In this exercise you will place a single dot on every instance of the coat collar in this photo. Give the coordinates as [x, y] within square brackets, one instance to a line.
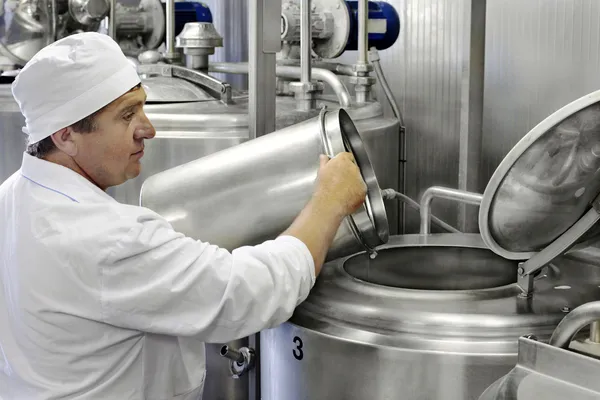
[61, 180]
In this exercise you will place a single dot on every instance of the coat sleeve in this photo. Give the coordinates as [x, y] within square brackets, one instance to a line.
[157, 280]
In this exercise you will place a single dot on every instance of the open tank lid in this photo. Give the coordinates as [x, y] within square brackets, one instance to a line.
[542, 198]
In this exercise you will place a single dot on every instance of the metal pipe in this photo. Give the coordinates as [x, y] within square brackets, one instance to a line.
[170, 28]
[232, 354]
[338, 68]
[363, 38]
[574, 322]
[112, 23]
[443, 193]
[328, 77]
[398, 114]
[305, 41]
[390, 194]
[595, 332]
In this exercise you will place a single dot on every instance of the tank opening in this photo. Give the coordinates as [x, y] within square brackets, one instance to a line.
[434, 268]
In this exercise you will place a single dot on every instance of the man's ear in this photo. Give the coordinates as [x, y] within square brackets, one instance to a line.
[65, 141]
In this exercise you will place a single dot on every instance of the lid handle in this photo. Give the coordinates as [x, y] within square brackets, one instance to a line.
[217, 89]
[557, 247]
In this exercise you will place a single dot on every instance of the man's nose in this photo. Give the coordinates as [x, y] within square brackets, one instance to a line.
[146, 131]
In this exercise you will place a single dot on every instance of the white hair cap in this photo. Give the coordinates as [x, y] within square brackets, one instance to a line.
[69, 80]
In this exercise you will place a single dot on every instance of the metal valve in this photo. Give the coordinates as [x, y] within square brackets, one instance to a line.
[242, 360]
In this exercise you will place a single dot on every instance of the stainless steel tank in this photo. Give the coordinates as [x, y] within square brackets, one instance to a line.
[566, 368]
[258, 188]
[439, 317]
[432, 317]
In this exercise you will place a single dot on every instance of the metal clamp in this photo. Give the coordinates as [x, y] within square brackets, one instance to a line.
[242, 360]
[219, 90]
[565, 241]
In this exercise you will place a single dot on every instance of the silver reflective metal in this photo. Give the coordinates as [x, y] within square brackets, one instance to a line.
[545, 183]
[252, 192]
[432, 317]
[549, 373]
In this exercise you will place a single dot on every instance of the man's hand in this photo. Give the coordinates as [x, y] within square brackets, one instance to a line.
[340, 186]
[339, 191]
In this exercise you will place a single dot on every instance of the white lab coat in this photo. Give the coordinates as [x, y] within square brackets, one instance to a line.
[101, 300]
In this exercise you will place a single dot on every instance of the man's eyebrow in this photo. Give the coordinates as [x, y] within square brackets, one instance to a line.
[131, 106]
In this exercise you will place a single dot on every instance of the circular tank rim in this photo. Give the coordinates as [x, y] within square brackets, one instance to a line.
[341, 303]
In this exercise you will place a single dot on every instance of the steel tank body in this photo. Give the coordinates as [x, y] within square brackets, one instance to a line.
[431, 318]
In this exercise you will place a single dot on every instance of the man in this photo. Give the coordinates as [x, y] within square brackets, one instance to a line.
[100, 300]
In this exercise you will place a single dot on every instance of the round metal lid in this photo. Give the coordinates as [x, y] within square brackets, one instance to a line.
[546, 182]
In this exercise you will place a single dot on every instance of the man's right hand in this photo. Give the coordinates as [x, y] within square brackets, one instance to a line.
[340, 187]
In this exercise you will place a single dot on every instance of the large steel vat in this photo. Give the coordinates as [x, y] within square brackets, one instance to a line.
[258, 188]
[432, 317]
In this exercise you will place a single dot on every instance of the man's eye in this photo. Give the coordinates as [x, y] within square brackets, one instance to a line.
[128, 117]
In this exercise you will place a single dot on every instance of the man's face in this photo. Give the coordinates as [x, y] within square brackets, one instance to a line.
[111, 154]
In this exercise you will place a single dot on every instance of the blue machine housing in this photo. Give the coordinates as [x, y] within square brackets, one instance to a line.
[190, 11]
[378, 10]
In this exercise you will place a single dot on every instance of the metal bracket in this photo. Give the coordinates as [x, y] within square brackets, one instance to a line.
[557, 248]
[219, 90]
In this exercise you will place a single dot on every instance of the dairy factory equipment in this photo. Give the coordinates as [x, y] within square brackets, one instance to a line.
[567, 367]
[196, 115]
[439, 316]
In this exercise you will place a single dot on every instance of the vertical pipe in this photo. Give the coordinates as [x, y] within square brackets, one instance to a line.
[264, 43]
[363, 18]
[305, 41]
[471, 115]
[112, 23]
[595, 332]
[170, 28]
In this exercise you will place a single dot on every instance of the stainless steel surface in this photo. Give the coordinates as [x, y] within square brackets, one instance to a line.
[432, 317]
[363, 32]
[443, 193]
[170, 51]
[375, 59]
[424, 70]
[198, 40]
[219, 90]
[546, 183]
[595, 331]
[265, 16]
[576, 320]
[549, 373]
[390, 194]
[112, 20]
[541, 55]
[162, 89]
[559, 246]
[326, 76]
[232, 354]
[89, 11]
[259, 187]
[305, 41]
[471, 112]
[219, 385]
[242, 361]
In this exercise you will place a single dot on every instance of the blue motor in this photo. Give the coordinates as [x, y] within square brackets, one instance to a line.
[335, 25]
[190, 11]
[383, 26]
